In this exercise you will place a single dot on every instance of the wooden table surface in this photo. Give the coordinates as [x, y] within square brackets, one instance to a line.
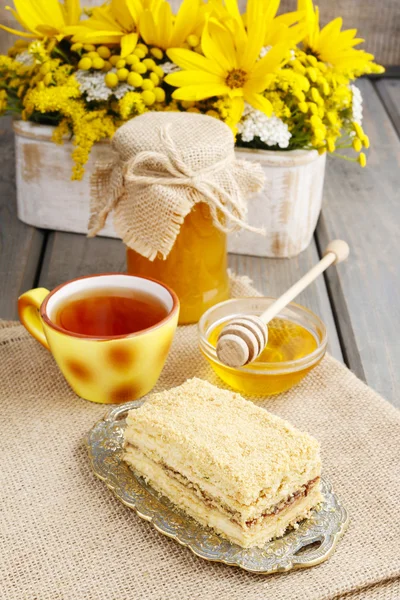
[359, 301]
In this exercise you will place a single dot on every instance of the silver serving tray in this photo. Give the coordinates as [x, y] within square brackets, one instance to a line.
[313, 542]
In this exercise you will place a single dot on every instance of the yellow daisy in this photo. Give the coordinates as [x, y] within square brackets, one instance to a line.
[330, 44]
[230, 66]
[114, 23]
[288, 26]
[44, 18]
[161, 28]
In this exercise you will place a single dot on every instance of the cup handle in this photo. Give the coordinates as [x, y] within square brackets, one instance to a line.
[28, 310]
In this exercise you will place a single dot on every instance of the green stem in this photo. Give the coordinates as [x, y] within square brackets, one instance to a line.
[57, 50]
[344, 146]
[343, 156]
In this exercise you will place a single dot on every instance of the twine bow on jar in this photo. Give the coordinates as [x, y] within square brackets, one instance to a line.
[166, 163]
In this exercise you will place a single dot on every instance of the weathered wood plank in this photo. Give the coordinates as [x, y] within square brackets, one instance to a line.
[272, 277]
[70, 255]
[389, 92]
[20, 244]
[362, 206]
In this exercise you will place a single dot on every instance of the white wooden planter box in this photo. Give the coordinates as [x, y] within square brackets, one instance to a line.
[46, 196]
[288, 207]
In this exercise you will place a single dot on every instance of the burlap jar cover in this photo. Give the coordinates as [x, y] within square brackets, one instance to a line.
[164, 164]
[65, 537]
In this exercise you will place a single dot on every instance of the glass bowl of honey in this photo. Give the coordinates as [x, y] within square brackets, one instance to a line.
[297, 341]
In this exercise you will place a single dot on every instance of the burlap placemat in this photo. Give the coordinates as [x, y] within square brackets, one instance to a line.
[65, 537]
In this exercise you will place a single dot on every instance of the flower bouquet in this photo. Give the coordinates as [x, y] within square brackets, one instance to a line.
[281, 83]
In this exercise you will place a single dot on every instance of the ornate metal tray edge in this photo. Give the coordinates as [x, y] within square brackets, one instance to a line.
[326, 527]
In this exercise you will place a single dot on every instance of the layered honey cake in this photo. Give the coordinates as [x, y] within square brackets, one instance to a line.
[228, 463]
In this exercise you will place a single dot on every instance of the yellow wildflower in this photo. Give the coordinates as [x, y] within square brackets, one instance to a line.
[287, 27]
[332, 117]
[17, 47]
[330, 44]
[313, 108]
[89, 128]
[362, 159]
[316, 96]
[229, 67]
[3, 101]
[159, 27]
[39, 51]
[131, 105]
[53, 99]
[291, 80]
[172, 107]
[61, 131]
[358, 129]
[330, 144]
[112, 23]
[365, 141]
[312, 73]
[44, 18]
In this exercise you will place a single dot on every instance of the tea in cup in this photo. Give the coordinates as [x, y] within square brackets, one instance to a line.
[109, 334]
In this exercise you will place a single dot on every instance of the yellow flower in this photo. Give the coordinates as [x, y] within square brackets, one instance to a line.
[365, 141]
[332, 117]
[39, 52]
[53, 99]
[159, 27]
[44, 18]
[61, 131]
[330, 144]
[230, 66]
[288, 26]
[131, 105]
[3, 101]
[113, 23]
[358, 129]
[332, 45]
[89, 128]
[362, 159]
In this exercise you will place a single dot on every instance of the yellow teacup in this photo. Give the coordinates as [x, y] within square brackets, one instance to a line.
[107, 370]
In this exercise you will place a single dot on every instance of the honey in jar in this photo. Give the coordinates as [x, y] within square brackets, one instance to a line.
[272, 372]
[175, 187]
[195, 268]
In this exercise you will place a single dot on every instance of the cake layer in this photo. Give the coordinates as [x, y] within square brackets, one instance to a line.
[228, 446]
[206, 490]
[206, 511]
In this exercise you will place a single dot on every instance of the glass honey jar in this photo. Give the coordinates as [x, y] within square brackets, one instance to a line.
[297, 341]
[195, 268]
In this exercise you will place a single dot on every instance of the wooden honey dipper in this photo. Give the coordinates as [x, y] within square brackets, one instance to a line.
[243, 339]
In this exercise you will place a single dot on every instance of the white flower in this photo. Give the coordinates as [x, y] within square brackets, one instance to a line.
[356, 105]
[271, 130]
[93, 85]
[122, 89]
[25, 58]
[169, 67]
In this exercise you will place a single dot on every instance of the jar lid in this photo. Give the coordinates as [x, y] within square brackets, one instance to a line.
[166, 163]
